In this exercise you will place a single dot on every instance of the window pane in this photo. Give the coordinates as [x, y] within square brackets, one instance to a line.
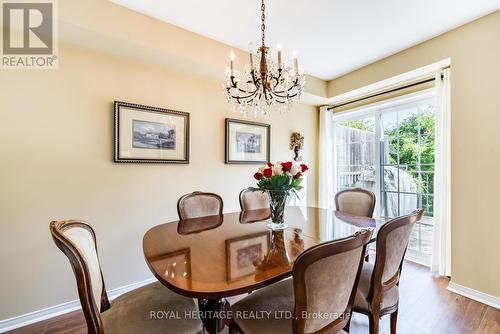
[355, 155]
[407, 203]
[391, 179]
[410, 179]
[389, 139]
[427, 155]
[428, 205]
[389, 204]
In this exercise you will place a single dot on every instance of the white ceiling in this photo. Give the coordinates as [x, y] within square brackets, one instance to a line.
[332, 37]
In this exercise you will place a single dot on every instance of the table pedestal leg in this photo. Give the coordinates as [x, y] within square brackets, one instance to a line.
[210, 309]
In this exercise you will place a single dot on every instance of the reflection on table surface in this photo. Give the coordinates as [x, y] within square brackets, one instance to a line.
[218, 256]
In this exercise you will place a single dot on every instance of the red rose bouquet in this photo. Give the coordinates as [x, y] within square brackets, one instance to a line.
[279, 180]
[281, 176]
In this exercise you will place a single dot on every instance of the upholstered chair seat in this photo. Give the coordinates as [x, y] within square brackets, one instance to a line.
[132, 312]
[389, 298]
[317, 299]
[274, 298]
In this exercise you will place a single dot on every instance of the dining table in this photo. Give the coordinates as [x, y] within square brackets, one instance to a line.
[215, 257]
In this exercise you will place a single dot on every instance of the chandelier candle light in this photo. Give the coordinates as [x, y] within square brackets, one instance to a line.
[280, 180]
[271, 86]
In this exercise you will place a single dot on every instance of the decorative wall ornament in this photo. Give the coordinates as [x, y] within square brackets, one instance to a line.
[297, 144]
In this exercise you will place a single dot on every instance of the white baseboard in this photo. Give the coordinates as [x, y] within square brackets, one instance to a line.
[112, 294]
[474, 294]
[56, 310]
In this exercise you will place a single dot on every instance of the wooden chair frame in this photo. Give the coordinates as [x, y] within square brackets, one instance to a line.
[377, 287]
[82, 273]
[360, 239]
[303, 261]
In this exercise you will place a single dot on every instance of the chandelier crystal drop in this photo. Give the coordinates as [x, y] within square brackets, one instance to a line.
[264, 85]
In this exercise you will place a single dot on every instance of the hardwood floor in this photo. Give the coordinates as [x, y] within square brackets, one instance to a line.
[426, 307]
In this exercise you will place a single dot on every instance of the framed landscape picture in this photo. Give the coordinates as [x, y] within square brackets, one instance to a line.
[150, 134]
[247, 142]
[245, 253]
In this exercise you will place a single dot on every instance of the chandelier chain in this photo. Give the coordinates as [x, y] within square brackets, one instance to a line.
[263, 18]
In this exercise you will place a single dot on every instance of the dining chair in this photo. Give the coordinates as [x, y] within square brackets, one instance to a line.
[253, 199]
[199, 204]
[129, 313]
[358, 202]
[324, 282]
[378, 290]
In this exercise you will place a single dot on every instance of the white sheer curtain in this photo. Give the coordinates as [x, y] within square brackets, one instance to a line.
[441, 257]
[326, 190]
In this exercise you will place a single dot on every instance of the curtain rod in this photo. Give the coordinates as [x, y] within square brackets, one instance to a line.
[383, 92]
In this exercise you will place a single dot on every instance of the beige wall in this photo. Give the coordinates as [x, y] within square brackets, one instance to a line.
[474, 50]
[56, 139]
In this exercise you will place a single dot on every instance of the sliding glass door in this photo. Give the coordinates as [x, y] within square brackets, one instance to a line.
[389, 150]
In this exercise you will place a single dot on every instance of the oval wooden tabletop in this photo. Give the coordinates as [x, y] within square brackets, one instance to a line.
[220, 256]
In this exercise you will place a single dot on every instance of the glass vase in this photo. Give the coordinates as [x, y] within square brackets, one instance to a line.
[278, 200]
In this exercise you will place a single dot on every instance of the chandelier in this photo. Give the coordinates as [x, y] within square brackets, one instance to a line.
[270, 86]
